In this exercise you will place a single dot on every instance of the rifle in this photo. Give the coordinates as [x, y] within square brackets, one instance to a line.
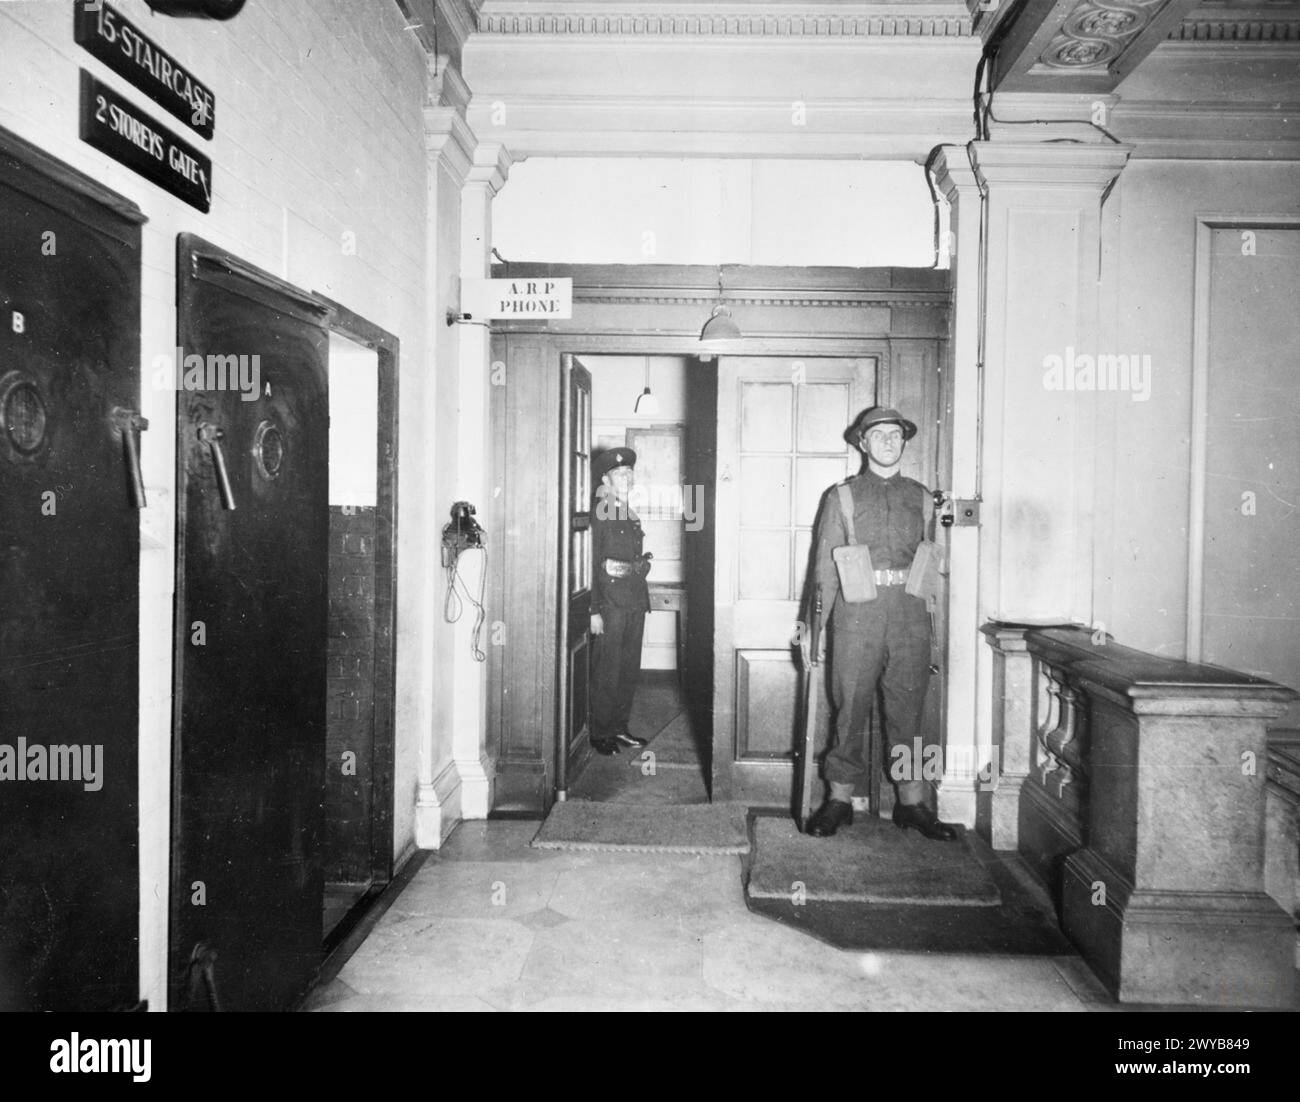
[811, 691]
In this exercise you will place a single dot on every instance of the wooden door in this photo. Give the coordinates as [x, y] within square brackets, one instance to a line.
[780, 445]
[575, 572]
[252, 537]
[69, 589]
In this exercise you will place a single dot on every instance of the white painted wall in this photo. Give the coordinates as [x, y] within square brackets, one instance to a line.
[1141, 569]
[660, 211]
[296, 81]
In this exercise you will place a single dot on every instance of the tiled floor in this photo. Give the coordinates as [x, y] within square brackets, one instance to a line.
[490, 924]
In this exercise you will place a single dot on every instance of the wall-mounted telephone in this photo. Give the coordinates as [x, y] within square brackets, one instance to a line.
[461, 534]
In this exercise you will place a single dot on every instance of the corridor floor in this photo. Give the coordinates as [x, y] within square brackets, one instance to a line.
[671, 769]
[489, 924]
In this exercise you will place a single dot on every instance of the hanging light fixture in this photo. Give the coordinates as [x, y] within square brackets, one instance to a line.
[647, 403]
[720, 326]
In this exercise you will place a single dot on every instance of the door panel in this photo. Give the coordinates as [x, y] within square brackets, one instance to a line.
[575, 570]
[780, 445]
[69, 578]
[251, 642]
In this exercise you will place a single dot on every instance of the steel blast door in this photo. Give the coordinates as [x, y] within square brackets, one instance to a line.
[69, 585]
[253, 525]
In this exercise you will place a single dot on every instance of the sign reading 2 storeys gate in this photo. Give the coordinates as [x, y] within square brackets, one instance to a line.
[128, 135]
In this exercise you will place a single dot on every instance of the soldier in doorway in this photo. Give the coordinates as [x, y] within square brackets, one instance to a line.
[620, 599]
[881, 642]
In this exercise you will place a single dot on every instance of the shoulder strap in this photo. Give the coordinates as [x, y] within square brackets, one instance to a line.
[927, 512]
[846, 509]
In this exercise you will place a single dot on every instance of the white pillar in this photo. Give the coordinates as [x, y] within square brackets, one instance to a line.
[452, 778]
[1026, 237]
[1041, 303]
[487, 174]
[969, 740]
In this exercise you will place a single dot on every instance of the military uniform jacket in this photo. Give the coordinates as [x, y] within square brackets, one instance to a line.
[889, 516]
[616, 534]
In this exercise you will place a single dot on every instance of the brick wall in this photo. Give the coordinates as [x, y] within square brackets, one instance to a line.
[350, 688]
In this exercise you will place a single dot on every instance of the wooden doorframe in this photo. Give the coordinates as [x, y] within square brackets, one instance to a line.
[564, 752]
[634, 310]
[383, 765]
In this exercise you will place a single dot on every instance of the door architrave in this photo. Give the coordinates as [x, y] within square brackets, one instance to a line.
[637, 310]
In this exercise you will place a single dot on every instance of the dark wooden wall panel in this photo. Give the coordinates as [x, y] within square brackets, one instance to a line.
[526, 412]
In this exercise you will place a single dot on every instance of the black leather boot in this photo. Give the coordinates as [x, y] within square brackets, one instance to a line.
[828, 818]
[921, 818]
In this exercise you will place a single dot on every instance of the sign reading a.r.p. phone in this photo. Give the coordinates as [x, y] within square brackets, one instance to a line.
[538, 297]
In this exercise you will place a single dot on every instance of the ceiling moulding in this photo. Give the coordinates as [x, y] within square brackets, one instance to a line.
[1240, 23]
[1227, 131]
[891, 18]
[448, 87]
[566, 141]
[931, 300]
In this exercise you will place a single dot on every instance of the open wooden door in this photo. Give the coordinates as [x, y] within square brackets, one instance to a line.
[252, 542]
[780, 445]
[575, 572]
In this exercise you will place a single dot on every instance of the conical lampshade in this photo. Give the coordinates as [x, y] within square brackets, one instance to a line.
[646, 403]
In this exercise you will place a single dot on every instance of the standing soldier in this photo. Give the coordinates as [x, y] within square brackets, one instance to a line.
[868, 533]
[620, 598]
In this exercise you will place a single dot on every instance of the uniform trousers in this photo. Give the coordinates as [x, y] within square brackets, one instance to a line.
[615, 670]
[883, 643]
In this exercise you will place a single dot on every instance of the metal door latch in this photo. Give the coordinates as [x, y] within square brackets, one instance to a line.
[211, 435]
[129, 423]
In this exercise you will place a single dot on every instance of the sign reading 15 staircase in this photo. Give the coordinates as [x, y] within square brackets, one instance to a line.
[124, 48]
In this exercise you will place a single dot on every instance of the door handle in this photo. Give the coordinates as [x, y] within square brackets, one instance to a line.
[201, 978]
[128, 422]
[211, 435]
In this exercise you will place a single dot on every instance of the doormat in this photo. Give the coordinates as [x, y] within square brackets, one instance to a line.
[632, 828]
[870, 862]
[1025, 923]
